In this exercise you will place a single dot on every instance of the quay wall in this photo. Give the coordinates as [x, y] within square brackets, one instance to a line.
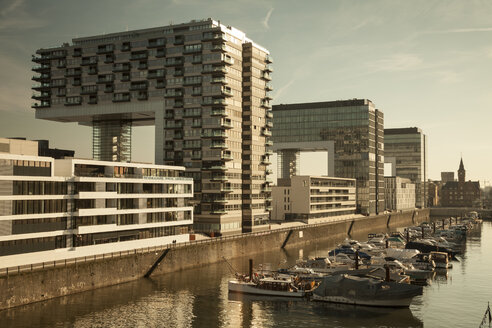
[445, 212]
[24, 287]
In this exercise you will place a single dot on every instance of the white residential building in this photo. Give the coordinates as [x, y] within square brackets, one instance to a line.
[399, 193]
[307, 198]
[57, 209]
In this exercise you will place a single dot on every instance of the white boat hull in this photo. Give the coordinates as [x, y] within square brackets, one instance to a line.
[380, 303]
[250, 288]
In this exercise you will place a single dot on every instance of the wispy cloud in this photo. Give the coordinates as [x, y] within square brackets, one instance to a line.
[282, 89]
[15, 16]
[267, 18]
[461, 30]
[396, 62]
[448, 76]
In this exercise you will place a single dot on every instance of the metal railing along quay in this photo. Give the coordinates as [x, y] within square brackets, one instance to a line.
[8, 271]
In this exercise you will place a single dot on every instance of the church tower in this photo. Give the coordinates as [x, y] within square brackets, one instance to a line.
[461, 172]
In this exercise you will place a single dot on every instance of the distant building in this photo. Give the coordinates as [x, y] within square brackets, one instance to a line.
[45, 150]
[18, 146]
[461, 193]
[66, 208]
[351, 131]
[305, 198]
[433, 193]
[21, 146]
[399, 193]
[406, 148]
[447, 176]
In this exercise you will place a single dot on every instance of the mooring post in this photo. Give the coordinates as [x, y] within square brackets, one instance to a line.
[387, 243]
[443, 224]
[357, 260]
[423, 234]
[434, 227]
[250, 269]
[408, 235]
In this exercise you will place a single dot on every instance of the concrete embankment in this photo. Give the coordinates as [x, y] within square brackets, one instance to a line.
[23, 287]
[445, 212]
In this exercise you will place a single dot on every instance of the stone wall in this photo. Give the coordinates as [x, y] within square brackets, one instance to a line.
[38, 285]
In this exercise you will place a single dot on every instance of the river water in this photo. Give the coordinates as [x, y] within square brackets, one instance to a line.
[199, 298]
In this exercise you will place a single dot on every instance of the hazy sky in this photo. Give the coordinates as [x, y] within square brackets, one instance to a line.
[423, 63]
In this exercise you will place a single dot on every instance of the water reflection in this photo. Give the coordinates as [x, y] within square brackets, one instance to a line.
[199, 298]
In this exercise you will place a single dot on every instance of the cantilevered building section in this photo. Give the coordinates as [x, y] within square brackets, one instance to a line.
[406, 148]
[205, 88]
[351, 131]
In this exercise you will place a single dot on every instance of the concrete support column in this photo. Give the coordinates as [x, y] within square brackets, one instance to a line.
[112, 140]
[288, 163]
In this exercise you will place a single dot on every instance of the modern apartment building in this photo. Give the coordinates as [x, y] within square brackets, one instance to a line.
[312, 198]
[74, 207]
[21, 146]
[399, 193]
[407, 149]
[205, 87]
[351, 131]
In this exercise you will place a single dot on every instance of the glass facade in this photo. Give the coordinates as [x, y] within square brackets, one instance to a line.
[407, 148]
[356, 129]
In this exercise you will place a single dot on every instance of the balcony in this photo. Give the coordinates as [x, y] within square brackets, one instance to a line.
[214, 134]
[266, 76]
[219, 200]
[226, 124]
[41, 77]
[269, 124]
[268, 172]
[121, 97]
[265, 160]
[218, 145]
[218, 112]
[179, 39]
[170, 93]
[268, 87]
[156, 74]
[266, 133]
[174, 61]
[226, 156]
[269, 152]
[138, 86]
[105, 78]
[41, 67]
[87, 90]
[220, 79]
[226, 91]
[269, 114]
[45, 95]
[268, 59]
[228, 60]
[208, 36]
[268, 97]
[174, 125]
[89, 61]
[265, 104]
[219, 177]
[42, 58]
[266, 188]
[126, 46]
[218, 211]
[138, 55]
[108, 48]
[121, 67]
[178, 104]
[41, 86]
[219, 47]
[217, 168]
[42, 104]
[154, 43]
[268, 68]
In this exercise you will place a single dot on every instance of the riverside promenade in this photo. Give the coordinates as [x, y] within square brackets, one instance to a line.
[28, 283]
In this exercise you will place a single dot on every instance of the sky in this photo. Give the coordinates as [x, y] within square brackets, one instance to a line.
[426, 63]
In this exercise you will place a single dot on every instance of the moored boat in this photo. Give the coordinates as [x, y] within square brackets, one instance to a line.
[365, 291]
